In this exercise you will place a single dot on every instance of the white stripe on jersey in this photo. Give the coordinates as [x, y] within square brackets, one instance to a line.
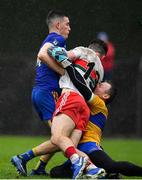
[62, 103]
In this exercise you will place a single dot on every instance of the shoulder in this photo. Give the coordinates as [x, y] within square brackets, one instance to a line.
[55, 39]
[85, 53]
[98, 105]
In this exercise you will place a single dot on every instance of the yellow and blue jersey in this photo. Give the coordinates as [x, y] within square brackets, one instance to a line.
[92, 136]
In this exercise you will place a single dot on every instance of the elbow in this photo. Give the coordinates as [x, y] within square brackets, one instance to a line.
[40, 56]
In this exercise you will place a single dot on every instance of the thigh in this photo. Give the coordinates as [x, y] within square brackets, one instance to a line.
[62, 124]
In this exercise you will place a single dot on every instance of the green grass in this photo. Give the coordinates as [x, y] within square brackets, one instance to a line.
[118, 149]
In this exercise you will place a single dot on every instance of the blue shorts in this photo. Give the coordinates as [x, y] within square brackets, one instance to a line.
[89, 147]
[43, 102]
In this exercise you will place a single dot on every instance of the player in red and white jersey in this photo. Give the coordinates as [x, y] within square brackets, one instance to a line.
[72, 112]
[70, 119]
[88, 64]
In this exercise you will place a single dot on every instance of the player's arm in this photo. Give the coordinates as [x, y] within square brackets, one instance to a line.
[79, 83]
[60, 55]
[45, 58]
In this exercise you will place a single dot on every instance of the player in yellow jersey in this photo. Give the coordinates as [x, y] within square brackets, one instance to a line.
[104, 93]
[90, 142]
[91, 139]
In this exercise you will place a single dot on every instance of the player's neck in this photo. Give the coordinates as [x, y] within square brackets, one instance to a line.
[54, 30]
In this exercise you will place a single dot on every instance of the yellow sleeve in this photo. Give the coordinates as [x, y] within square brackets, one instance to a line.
[96, 104]
[94, 100]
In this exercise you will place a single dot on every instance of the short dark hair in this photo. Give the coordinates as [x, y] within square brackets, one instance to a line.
[112, 92]
[54, 14]
[99, 46]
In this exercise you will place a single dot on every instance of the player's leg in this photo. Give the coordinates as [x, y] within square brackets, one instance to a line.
[44, 103]
[44, 159]
[62, 171]
[101, 159]
[20, 161]
[91, 171]
[69, 109]
[62, 127]
[65, 171]
[41, 165]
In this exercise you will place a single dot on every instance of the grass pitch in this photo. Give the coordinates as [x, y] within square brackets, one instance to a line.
[118, 149]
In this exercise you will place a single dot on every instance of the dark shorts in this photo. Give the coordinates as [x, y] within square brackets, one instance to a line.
[89, 147]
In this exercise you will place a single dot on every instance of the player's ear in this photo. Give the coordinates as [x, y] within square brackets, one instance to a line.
[106, 96]
[58, 25]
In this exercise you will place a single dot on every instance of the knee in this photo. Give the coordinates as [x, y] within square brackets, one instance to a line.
[55, 139]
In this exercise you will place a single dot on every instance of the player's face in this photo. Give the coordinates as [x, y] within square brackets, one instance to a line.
[64, 27]
[102, 89]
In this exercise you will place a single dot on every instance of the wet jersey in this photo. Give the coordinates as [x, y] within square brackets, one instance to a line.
[88, 65]
[98, 117]
[93, 60]
[46, 78]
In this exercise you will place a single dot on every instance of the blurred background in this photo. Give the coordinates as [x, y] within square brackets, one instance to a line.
[23, 28]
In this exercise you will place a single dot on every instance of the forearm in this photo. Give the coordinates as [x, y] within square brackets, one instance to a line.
[79, 82]
[45, 58]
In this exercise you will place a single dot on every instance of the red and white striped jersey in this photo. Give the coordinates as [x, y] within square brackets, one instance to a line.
[88, 64]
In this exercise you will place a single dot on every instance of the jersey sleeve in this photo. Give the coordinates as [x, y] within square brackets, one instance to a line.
[96, 103]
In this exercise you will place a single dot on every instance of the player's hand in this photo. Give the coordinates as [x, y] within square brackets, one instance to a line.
[58, 53]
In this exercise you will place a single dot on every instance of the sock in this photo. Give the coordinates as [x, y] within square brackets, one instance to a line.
[74, 158]
[27, 156]
[40, 165]
[90, 165]
[71, 154]
[70, 151]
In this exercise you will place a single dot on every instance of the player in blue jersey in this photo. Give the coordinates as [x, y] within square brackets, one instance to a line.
[46, 80]
[47, 74]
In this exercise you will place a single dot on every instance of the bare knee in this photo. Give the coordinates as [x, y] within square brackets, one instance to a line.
[55, 139]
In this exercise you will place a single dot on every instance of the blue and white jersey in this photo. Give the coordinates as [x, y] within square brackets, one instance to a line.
[46, 78]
